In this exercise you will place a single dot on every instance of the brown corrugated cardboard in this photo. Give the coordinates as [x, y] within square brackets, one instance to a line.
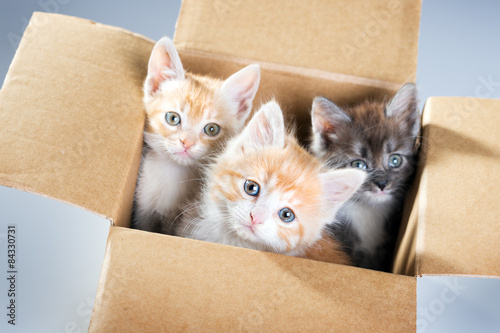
[333, 36]
[457, 207]
[158, 283]
[71, 114]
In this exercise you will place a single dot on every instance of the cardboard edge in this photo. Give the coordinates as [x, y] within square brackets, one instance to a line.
[122, 213]
[422, 204]
[300, 71]
[101, 286]
[106, 26]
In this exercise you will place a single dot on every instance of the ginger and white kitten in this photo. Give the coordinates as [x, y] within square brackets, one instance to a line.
[188, 118]
[265, 192]
[381, 139]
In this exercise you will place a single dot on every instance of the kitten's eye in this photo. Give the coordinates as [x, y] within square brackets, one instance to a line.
[286, 215]
[173, 118]
[211, 129]
[252, 188]
[360, 164]
[395, 160]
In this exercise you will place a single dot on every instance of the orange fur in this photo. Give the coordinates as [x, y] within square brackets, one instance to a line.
[198, 96]
[328, 250]
[266, 192]
[290, 171]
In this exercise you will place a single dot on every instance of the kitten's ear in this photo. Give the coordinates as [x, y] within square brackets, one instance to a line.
[164, 64]
[339, 185]
[240, 89]
[404, 107]
[266, 128]
[326, 116]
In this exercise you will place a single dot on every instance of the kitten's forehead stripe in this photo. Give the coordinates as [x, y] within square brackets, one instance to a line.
[199, 99]
[364, 152]
[390, 146]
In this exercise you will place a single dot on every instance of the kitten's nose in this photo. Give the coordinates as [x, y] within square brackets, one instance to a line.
[381, 184]
[255, 220]
[187, 143]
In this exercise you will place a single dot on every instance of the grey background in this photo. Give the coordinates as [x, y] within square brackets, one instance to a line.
[458, 56]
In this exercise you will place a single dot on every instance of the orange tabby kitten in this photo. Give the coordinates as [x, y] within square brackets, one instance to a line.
[188, 118]
[265, 192]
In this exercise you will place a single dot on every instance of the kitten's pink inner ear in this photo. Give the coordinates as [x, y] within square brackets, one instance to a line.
[340, 185]
[327, 116]
[266, 128]
[160, 60]
[322, 124]
[241, 87]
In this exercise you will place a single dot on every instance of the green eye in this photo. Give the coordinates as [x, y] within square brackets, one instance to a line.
[173, 118]
[252, 188]
[359, 164]
[286, 215]
[211, 129]
[395, 160]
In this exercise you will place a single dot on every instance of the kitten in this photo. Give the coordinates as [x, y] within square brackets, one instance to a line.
[381, 139]
[188, 117]
[267, 193]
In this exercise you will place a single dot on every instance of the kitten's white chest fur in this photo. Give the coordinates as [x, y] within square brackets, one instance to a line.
[162, 186]
[367, 221]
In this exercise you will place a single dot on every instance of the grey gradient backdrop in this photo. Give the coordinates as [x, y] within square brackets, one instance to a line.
[458, 56]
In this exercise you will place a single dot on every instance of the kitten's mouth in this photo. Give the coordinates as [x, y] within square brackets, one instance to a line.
[250, 228]
[248, 232]
[184, 153]
[378, 194]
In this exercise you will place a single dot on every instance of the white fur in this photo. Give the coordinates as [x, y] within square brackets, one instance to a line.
[227, 224]
[368, 223]
[163, 185]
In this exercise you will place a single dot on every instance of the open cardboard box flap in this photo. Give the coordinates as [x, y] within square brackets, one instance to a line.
[453, 226]
[71, 114]
[338, 36]
[157, 283]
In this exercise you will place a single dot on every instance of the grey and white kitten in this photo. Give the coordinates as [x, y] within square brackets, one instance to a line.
[380, 138]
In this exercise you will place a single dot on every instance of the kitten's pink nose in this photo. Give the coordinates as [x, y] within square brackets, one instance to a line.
[187, 143]
[255, 220]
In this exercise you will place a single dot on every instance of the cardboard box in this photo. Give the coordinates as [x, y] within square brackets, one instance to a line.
[76, 85]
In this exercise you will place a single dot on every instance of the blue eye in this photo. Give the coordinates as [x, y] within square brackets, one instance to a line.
[359, 164]
[286, 215]
[173, 118]
[252, 188]
[395, 160]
